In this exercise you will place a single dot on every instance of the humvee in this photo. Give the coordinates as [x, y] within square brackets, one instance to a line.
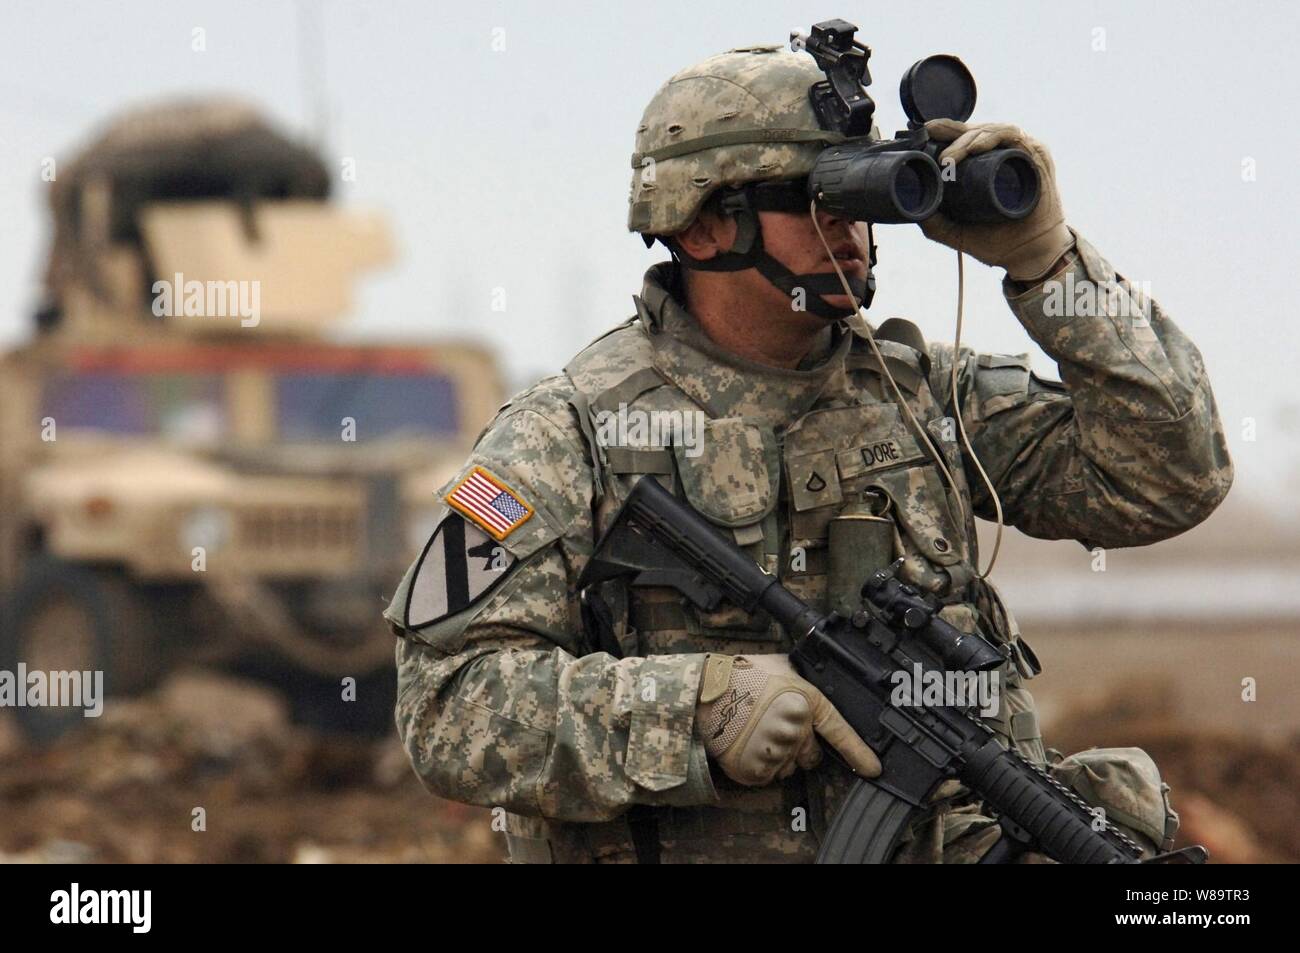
[191, 469]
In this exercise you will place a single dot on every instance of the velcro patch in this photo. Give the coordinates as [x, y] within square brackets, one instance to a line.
[881, 453]
[489, 503]
[460, 564]
[878, 453]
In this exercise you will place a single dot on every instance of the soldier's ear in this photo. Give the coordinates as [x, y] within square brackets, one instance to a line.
[708, 236]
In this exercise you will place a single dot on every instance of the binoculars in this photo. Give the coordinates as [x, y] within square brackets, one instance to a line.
[899, 180]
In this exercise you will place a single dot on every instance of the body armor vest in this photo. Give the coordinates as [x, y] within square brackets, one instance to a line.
[778, 485]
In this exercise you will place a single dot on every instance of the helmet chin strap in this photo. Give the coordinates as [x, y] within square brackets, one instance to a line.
[747, 251]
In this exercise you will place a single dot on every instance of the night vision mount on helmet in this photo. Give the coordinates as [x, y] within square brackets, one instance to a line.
[776, 131]
[899, 180]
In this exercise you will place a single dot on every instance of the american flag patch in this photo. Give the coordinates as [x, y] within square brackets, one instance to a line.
[489, 503]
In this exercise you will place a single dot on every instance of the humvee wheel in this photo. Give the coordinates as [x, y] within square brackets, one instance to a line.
[59, 636]
[65, 618]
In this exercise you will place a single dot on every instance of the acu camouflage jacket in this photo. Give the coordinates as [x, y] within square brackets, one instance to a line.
[507, 702]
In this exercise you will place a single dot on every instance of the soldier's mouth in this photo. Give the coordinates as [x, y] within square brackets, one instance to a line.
[846, 253]
[850, 263]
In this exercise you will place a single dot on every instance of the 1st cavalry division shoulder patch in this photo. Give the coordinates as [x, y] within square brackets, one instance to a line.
[459, 565]
[490, 504]
[464, 559]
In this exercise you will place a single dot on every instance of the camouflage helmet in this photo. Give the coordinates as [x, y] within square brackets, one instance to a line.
[741, 116]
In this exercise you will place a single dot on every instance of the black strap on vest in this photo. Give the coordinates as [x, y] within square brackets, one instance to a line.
[598, 621]
[644, 825]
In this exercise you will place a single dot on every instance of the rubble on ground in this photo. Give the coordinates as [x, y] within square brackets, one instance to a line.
[126, 787]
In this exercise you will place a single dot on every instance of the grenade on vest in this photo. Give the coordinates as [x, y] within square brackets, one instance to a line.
[860, 540]
[898, 180]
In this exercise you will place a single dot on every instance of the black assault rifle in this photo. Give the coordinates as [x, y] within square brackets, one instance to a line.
[657, 540]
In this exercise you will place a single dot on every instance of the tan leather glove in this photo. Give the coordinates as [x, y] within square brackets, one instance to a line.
[760, 720]
[1026, 249]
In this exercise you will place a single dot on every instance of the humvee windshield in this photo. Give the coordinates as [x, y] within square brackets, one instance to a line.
[182, 407]
[310, 404]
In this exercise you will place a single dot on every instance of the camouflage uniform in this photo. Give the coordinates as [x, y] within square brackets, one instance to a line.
[508, 702]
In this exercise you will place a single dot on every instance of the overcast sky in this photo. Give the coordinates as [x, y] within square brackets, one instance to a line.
[498, 135]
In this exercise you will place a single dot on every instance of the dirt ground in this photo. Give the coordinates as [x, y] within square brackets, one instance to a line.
[1230, 756]
[127, 787]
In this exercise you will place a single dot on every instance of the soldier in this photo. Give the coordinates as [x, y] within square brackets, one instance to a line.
[675, 735]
